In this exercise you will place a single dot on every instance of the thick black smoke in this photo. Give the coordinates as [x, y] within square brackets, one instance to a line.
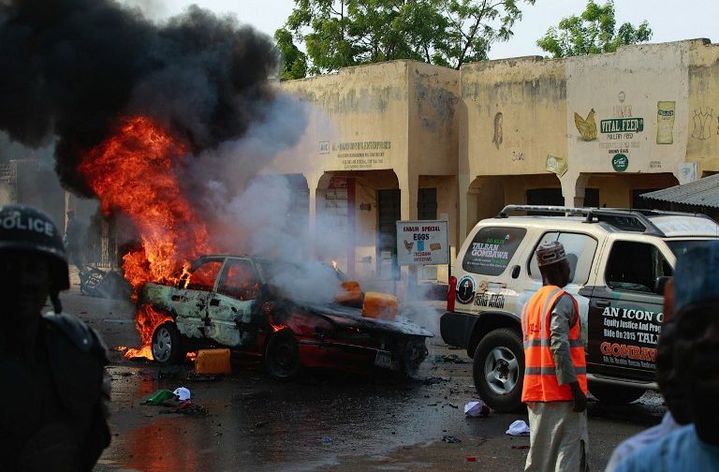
[70, 68]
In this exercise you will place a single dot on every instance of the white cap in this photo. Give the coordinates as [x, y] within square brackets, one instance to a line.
[182, 393]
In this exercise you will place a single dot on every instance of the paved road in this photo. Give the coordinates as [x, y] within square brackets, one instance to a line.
[321, 422]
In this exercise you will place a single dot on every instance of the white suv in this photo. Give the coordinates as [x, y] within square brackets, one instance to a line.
[620, 261]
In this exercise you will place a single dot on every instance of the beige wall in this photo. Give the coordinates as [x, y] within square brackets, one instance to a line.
[615, 191]
[521, 115]
[515, 113]
[703, 109]
[628, 84]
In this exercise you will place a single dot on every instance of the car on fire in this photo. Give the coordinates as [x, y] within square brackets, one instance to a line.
[266, 309]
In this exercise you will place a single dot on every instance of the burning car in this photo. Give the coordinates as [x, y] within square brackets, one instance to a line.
[244, 303]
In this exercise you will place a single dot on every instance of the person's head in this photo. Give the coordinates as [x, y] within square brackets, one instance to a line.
[553, 264]
[32, 262]
[696, 346]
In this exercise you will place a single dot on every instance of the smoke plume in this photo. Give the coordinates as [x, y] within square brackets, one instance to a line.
[72, 68]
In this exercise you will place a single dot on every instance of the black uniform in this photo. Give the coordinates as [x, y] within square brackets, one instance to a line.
[53, 406]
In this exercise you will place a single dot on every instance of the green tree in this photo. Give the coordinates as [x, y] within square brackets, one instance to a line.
[294, 61]
[340, 33]
[593, 32]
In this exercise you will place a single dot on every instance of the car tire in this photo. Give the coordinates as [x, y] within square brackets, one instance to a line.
[167, 344]
[282, 356]
[498, 370]
[615, 394]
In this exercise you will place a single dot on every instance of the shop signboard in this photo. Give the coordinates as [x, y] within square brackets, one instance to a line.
[422, 242]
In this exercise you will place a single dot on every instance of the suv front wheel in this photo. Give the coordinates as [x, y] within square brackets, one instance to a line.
[499, 369]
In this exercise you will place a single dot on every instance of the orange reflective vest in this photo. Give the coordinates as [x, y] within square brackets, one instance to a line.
[540, 379]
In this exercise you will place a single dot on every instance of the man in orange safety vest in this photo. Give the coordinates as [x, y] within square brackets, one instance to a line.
[555, 372]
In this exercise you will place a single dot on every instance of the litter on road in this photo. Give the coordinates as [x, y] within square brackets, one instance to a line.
[476, 409]
[182, 393]
[159, 397]
[518, 428]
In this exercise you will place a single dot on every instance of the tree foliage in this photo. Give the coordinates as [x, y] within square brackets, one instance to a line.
[340, 33]
[593, 32]
[294, 61]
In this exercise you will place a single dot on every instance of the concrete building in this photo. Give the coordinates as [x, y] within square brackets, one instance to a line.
[593, 130]
[383, 146]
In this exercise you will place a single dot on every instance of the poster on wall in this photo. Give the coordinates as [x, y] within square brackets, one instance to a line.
[422, 242]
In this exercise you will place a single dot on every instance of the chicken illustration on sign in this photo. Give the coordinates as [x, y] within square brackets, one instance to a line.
[587, 127]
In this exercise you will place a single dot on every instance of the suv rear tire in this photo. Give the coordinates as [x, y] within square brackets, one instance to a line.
[499, 370]
[615, 394]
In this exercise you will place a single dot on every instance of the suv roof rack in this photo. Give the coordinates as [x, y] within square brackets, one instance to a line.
[621, 218]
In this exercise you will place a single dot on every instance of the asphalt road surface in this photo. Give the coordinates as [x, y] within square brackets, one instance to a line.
[323, 421]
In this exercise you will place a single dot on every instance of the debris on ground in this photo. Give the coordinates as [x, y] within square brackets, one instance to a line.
[213, 362]
[449, 359]
[159, 397]
[523, 446]
[471, 459]
[326, 440]
[182, 393]
[518, 428]
[476, 409]
[188, 408]
[451, 439]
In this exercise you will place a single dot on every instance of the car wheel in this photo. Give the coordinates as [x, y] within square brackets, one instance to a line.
[498, 370]
[167, 344]
[282, 356]
[615, 394]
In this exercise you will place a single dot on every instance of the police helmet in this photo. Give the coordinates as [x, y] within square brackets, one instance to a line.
[23, 228]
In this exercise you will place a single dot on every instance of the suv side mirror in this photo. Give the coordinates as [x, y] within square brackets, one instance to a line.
[661, 283]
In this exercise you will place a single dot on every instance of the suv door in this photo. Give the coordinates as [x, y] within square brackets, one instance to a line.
[625, 313]
[230, 307]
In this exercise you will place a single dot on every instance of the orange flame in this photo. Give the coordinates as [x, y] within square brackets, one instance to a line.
[133, 173]
[146, 320]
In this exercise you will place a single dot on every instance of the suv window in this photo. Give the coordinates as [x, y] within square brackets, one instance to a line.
[580, 249]
[635, 266]
[491, 250]
[203, 276]
[239, 280]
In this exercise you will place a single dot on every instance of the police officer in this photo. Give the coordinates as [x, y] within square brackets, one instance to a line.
[53, 395]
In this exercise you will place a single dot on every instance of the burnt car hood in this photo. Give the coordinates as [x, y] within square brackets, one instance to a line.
[349, 316]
